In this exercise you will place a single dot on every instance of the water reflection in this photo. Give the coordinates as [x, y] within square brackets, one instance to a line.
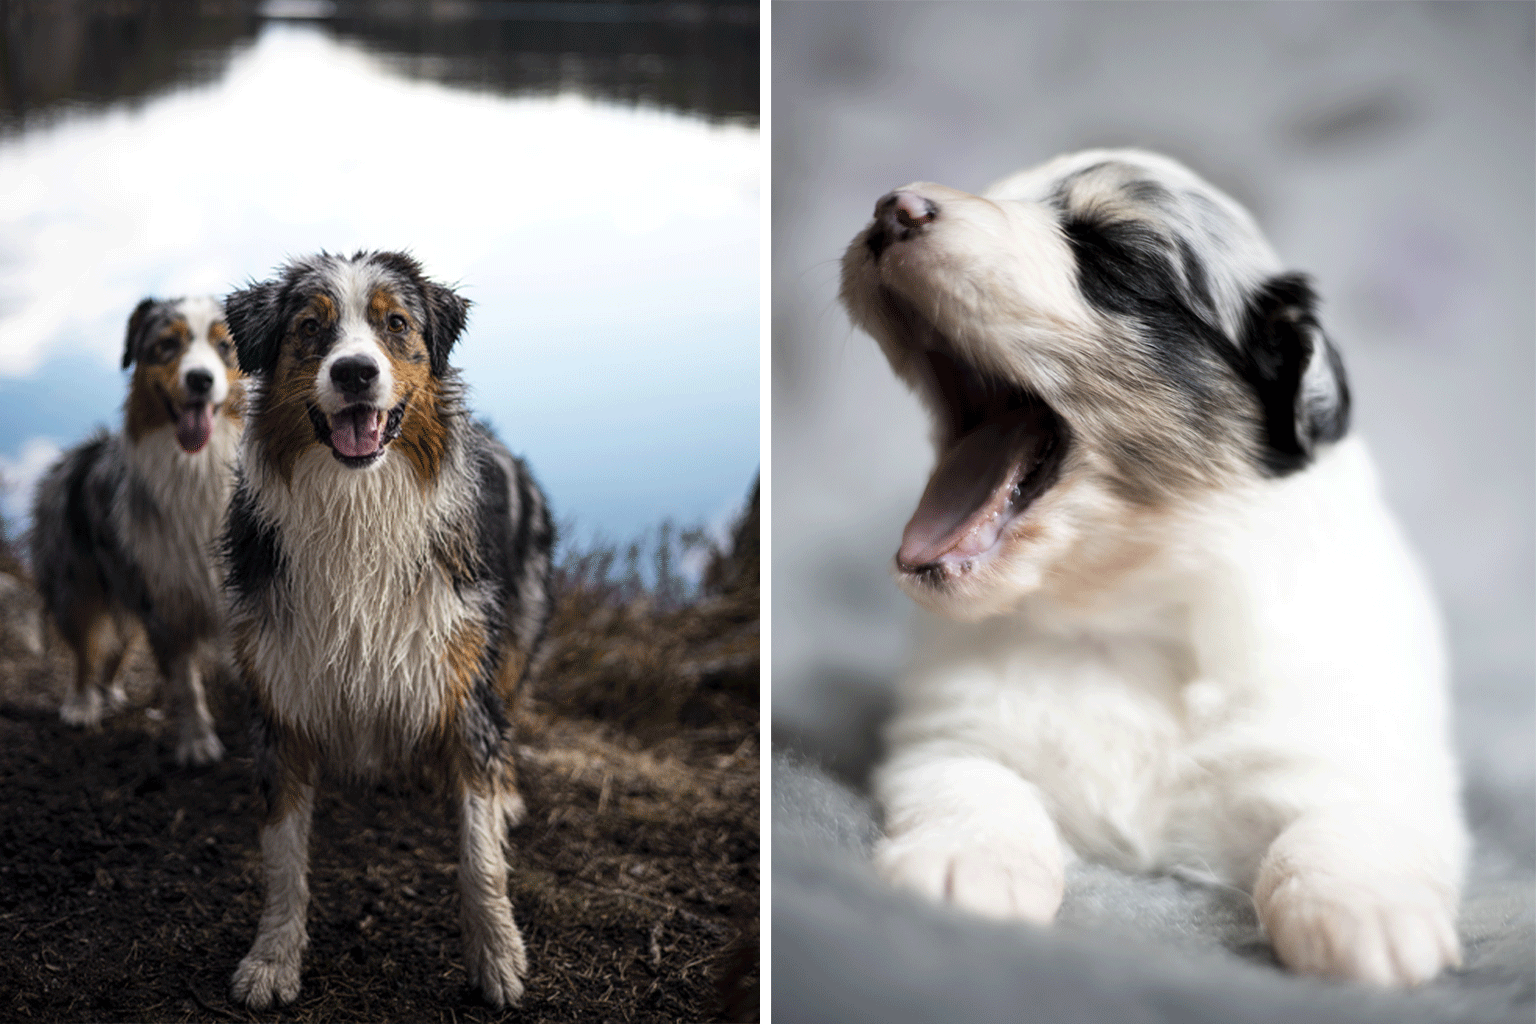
[610, 248]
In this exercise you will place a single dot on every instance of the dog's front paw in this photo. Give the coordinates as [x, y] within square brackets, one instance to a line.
[83, 710]
[199, 749]
[497, 970]
[993, 876]
[258, 979]
[1390, 936]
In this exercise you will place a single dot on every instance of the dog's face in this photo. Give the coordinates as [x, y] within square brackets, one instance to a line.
[350, 353]
[1101, 341]
[185, 372]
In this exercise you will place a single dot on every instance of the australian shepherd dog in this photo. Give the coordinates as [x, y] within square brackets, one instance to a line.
[125, 526]
[389, 584]
[1177, 628]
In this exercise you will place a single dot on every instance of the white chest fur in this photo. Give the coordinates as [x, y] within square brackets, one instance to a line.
[353, 645]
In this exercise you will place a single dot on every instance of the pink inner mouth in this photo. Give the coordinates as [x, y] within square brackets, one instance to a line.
[357, 431]
[976, 489]
[194, 425]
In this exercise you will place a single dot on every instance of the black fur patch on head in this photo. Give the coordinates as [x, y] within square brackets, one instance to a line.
[255, 318]
[137, 322]
[1280, 344]
[444, 314]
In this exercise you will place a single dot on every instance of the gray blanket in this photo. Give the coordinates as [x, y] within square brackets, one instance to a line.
[1387, 150]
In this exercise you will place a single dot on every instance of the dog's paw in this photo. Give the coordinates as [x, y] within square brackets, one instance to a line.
[199, 749]
[259, 979]
[497, 970]
[1400, 936]
[994, 877]
[83, 710]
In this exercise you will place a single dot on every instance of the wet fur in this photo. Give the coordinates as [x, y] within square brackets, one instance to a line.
[384, 614]
[1205, 647]
[125, 527]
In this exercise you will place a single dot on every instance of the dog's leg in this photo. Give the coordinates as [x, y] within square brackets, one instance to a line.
[1354, 894]
[196, 742]
[967, 830]
[83, 706]
[493, 948]
[112, 670]
[271, 969]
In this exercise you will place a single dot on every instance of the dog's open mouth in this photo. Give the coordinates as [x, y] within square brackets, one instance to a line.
[1001, 448]
[358, 434]
[194, 423]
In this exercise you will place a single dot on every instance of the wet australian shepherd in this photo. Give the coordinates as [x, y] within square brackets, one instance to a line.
[389, 579]
[125, 526]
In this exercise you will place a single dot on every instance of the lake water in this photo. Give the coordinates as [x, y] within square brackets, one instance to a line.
[586, 174]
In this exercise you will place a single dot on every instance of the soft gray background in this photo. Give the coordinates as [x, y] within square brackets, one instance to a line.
[1388, 150]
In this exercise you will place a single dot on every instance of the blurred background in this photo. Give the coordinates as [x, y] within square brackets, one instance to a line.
[1385, 148]
[586, 173]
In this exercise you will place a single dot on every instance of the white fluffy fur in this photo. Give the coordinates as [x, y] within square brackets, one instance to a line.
[1249, 685]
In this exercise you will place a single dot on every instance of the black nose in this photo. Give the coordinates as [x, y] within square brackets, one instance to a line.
[199, 383]
[898, 216]
[354, 374]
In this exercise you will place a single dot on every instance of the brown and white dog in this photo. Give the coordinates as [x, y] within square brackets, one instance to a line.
[125, 525]
[389, 577]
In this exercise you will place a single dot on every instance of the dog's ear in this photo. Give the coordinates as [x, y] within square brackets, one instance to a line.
[1295, 372]
[136, 322]
[447, 312]
[254, 317]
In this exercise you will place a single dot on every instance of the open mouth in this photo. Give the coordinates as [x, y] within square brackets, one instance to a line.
[1001, 447]
[194, 423]
[358, 434]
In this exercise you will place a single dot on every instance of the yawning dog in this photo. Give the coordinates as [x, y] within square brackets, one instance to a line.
[124, 526]
[389, 576]
[1181, 631]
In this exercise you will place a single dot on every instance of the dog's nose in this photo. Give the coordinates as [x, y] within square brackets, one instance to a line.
[199, 383]
[354, 374]
[898, 216]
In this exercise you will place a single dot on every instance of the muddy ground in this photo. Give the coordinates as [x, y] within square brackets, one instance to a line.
[129, 887]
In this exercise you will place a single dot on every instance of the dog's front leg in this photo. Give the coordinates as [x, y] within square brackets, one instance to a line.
[967, 830]
[271, 968]
[493, 949]
[196, 742]
[1353, 893]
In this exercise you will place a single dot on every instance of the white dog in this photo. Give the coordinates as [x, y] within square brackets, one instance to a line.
[1191, 636]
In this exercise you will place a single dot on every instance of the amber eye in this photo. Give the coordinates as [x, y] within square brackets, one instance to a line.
[309, 327]
[396, 323]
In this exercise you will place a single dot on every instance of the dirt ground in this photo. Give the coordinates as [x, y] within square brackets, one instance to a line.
[129, 887]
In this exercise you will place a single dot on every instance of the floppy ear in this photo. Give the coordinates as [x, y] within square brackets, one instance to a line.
[136, 323]
[254, 318]
[447, 312]
[1295, 372]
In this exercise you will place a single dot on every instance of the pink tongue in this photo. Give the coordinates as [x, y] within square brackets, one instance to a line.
[355, 431]
[193, 427]
[965, 504]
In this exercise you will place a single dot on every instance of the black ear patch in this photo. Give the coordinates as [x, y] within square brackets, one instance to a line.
[447, 312]
[254, 317]
[1295, 372]
[136, 324]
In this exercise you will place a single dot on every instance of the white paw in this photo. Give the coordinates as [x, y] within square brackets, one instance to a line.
[259, 979]
[1397, 935]
[83, 711]
[199, 749]
[497, 969]
[992, 876]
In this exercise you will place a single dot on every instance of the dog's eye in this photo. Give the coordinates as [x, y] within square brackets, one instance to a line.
[396, 323]
[164, 349]
[309, 327]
